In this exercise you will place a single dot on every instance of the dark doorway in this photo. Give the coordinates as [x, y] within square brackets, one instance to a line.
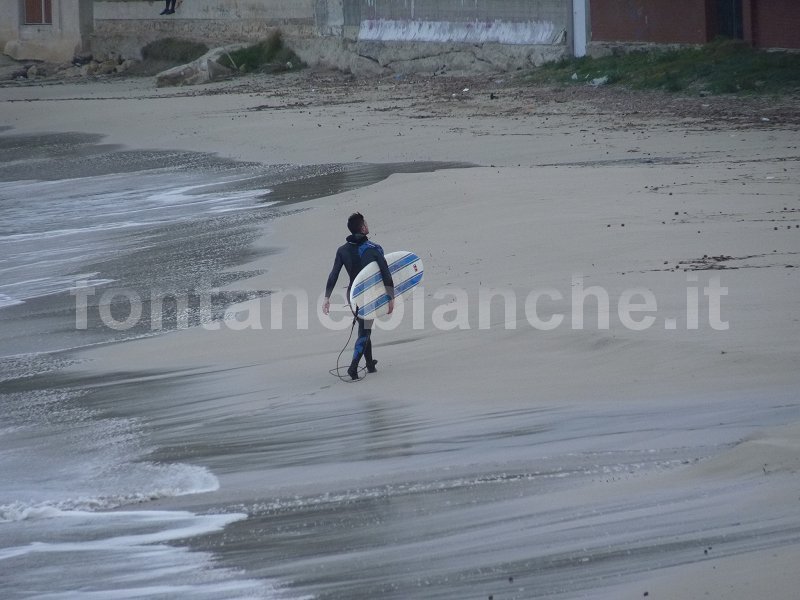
[729, 19]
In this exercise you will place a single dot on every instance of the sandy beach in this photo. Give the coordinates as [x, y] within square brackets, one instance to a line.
[519, 440]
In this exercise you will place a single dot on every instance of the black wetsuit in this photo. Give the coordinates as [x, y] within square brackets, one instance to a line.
[356, 254]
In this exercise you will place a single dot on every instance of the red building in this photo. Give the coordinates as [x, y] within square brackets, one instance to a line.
[762, 23]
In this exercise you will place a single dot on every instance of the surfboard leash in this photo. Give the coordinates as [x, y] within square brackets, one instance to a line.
[337, 371]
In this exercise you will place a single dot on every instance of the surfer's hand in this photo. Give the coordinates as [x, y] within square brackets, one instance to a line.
[326, 306]
[391, 306]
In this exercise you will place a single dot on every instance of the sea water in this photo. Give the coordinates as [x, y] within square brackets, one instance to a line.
[73, 210]
[75, 480]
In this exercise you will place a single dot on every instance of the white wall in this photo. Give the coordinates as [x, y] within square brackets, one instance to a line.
[57, 42]
[10, 19]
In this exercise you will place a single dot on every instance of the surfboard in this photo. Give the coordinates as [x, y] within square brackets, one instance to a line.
[368, 292]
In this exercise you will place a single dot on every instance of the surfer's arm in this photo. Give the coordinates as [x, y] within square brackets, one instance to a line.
[386, 275]
[388, 283]
[334, 275]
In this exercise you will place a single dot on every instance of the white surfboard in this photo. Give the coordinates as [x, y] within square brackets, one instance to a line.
[368, 292]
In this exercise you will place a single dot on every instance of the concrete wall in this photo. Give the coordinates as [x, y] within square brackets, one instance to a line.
[59, 41]
[430, 36]
[463, 11]
[127, 26]
[359, 35]
[284, 12]
[476, 21]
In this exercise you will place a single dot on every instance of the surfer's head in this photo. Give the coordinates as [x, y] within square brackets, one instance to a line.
[357, 224]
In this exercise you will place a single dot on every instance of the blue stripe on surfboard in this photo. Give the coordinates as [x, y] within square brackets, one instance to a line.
[384, 299]
[373, 306]
[376, 278]
[408, 283]
[393, 268]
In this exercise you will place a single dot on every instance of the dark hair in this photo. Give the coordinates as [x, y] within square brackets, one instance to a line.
[355, 222]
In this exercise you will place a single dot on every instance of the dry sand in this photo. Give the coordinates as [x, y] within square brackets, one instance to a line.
[629, 192]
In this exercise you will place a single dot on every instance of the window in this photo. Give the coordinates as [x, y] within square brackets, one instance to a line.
[38, 12]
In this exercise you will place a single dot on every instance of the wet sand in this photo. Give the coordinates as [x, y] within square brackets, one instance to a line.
[491, 459]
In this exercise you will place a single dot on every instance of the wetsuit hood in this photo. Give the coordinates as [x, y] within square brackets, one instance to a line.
[356, 238]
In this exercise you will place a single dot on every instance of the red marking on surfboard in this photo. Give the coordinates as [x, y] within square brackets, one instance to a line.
[415, 268]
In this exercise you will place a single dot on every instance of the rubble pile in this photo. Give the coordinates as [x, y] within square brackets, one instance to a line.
[82, 66]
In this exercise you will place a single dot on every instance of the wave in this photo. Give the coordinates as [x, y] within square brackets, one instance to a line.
[6, 301]
[126, 554]
[55, 233]
[42, 287]
[168, 481]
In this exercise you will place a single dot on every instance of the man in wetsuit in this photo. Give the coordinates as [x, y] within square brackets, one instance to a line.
[356, 254]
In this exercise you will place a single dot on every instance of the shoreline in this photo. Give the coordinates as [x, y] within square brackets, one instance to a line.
[514, 450]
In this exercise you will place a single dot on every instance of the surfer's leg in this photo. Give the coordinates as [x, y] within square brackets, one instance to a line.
[368, 353]
[361, 345]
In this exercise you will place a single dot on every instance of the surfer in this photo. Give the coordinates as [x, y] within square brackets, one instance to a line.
[354, 255]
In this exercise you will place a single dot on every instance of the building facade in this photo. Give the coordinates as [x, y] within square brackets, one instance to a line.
[514, 32]
[53, 30]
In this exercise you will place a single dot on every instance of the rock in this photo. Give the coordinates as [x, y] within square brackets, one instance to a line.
[181, 75]
[217, 71]
[71, 72]
[33, 71]
[107, 67]
[10, 72]
[125, 65]
[89, 69]
[203, 70]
